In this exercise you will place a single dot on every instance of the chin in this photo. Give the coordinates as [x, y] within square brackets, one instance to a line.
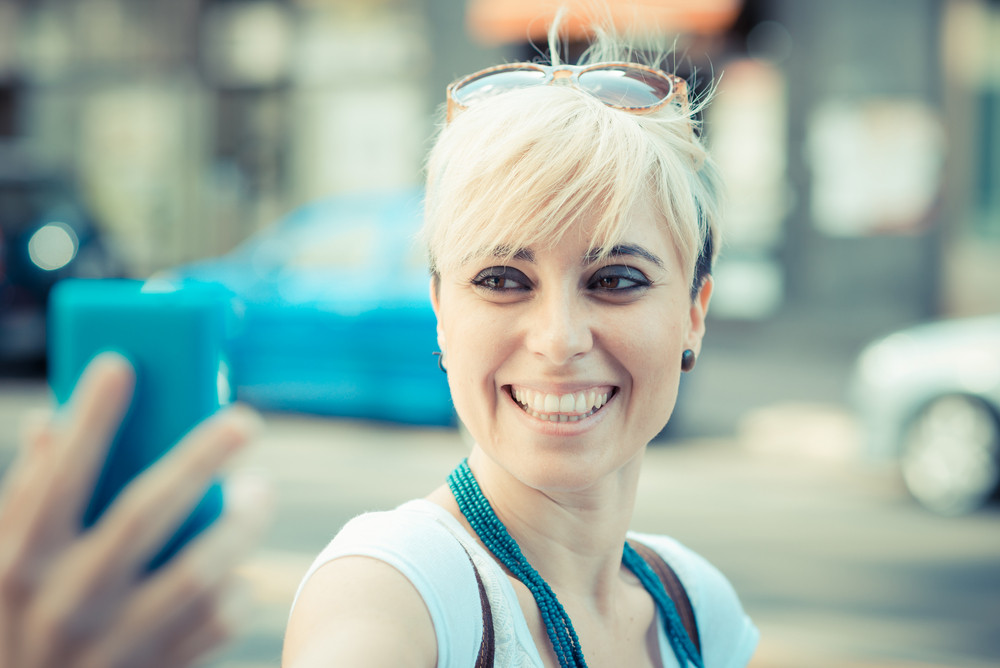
[563, 469]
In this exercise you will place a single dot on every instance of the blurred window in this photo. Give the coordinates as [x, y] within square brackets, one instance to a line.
[748, 127]
[876, 165]
[987, 195]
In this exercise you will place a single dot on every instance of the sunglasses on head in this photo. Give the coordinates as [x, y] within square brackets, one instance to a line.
[630, 87]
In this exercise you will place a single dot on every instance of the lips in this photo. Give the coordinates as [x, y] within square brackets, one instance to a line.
[569, 407]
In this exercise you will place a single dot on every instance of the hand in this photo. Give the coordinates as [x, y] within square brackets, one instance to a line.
[77, 599]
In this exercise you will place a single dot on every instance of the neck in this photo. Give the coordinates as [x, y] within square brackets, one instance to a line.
[574, 538]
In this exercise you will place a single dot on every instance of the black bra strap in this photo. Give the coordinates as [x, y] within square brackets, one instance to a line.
[487, 647]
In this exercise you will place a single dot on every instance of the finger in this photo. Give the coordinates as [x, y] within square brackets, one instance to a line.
[246, 514]
[210, 558]
[85, 430]
[83, 598]
[161, 613]
[22, 475]
[90, 583]
[154, 505]
[194, 644]
[128, 645]
[17, 574]
[36, 426]
[222, 622]
[207, 637]
[38, 496]
[22, 552]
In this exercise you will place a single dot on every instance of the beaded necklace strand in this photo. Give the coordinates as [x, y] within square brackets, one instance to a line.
[558, 626]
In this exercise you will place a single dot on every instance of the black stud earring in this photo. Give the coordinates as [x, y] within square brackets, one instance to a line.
[440, 358]
[687, 360]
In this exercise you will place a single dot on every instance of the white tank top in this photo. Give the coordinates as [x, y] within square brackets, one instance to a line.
[425, 543]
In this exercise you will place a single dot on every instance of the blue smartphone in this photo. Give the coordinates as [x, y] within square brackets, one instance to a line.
[174, 339]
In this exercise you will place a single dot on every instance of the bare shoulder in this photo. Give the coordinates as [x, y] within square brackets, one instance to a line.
[359, 611]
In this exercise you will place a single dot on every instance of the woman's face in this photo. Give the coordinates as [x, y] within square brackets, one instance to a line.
[564, 367]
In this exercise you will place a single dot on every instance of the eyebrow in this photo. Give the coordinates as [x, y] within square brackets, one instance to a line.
[523, 254]
[618, 250]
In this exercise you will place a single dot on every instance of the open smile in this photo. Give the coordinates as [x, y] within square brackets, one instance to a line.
[570, 407]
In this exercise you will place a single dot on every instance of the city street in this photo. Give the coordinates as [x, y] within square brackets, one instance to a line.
[832, 560]
[835, 167]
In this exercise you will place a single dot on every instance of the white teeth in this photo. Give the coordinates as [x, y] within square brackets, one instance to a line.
[555, 407]
[560, 403]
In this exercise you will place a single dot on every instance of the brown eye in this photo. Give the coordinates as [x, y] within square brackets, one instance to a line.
[497, 282]
[608, 282]
[501, 279]
[619, 279]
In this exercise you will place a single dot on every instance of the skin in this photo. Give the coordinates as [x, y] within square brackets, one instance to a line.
[554, 322]
[79, 600]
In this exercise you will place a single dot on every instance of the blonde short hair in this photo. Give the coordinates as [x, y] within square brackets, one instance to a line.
[517, 170]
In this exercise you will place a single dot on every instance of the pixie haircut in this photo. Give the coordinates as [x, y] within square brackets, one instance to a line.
[519, 169]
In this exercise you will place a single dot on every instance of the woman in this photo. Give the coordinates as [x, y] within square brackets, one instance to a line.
[82, 600]
[571, 222]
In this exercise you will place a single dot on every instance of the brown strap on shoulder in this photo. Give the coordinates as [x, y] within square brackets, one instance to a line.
[487, 647]
[675, 589]
[671, 583]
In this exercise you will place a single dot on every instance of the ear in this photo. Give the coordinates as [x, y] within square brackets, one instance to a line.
[435, 287]
[698, 313]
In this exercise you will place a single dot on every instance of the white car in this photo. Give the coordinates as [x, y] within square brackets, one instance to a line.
[929, 397]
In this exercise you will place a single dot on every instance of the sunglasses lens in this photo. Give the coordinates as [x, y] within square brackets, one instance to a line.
[494, 83]
[626, 86]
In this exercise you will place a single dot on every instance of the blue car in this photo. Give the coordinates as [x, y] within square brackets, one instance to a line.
[332, 314]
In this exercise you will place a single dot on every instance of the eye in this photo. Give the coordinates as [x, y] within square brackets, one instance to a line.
[501, 279]
[619, 278]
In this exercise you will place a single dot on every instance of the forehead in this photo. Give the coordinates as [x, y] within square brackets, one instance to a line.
[640, 232]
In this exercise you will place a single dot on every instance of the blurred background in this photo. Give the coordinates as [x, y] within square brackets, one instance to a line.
[853, 356]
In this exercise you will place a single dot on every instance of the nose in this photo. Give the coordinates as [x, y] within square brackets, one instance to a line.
[559, 328]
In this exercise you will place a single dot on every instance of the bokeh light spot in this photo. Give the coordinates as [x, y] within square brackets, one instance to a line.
[53, 246]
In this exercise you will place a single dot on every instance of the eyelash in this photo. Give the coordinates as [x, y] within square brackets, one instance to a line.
[622, 273]
[485, 278]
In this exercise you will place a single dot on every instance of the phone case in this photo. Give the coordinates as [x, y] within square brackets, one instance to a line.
[174, 339]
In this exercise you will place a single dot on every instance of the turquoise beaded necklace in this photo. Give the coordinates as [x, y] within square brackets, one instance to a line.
[558, 626]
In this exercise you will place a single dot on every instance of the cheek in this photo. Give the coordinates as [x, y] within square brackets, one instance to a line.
[473, 339]
[475, 347]
[655, 374]
[652, 354]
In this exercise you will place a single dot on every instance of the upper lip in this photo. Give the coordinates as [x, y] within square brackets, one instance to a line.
[562, 388]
